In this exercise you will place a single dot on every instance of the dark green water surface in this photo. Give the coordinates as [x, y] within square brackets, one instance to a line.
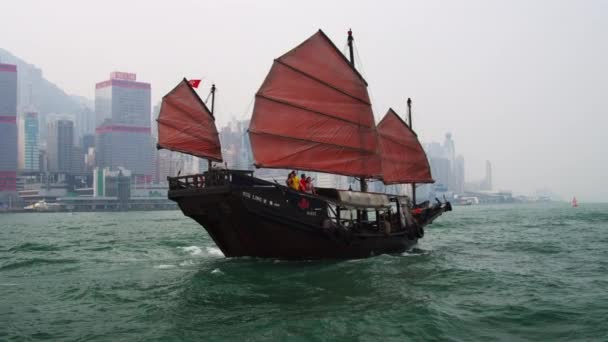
[505, 273]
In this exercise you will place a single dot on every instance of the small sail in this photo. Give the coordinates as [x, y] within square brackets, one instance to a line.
[186, 125]
[313, 113]
[403, 159]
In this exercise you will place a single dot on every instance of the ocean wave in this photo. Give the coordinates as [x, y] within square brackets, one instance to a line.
[164, 266]
[33, 246]
[35, 262]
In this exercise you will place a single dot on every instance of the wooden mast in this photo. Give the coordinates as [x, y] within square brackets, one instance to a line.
[209, 163]
[362, 182]
[409, 114]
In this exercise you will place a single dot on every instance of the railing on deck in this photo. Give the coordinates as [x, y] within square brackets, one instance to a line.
[205, 180]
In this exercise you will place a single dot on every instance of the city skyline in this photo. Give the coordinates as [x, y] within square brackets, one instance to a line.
[128, 115]
[509, 82]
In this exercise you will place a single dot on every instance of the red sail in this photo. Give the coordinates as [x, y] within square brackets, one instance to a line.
[186, 125]
[313, 113]
[403, 159]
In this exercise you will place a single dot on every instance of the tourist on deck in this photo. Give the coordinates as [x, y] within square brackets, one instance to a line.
[295, 181]
[303, 183]
[309, 187]
[288, 182]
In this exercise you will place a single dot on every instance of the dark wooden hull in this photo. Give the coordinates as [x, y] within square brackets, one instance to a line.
[268, 221]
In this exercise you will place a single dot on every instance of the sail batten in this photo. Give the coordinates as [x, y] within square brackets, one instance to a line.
[313, 113]
[403, 159]
[304, 108]
[322, 82]
[186, 125]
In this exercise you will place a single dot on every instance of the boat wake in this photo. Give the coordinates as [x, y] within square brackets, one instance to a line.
[198, 251]
[416, 252]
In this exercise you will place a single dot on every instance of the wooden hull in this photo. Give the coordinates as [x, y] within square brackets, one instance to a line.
[269, 222]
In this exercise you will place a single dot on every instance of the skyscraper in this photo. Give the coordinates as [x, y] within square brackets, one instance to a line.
[122, 111]
[459, 175]
[28, 141]
[487, 183]
[8, 129]
[60, 145]
[84, 123]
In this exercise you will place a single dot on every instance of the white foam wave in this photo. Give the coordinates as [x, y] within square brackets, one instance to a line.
[161, 267]
[214, 251]
[193, 250]
[217, 271]
[198, 251]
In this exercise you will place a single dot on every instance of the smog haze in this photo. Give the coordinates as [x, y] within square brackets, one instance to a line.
[520, 83]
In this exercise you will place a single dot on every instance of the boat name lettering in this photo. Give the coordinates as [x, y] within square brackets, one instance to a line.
[261, 200]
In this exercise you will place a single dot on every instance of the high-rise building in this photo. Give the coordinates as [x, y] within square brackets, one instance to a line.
[153, 123]
[122, 111]
[60, 143]
[29, 152]
[441, 171]
[87, 141]
[84, 123]
[458, 175]
[487, 183]
[8, 130]
[77, 164]
[448, 148]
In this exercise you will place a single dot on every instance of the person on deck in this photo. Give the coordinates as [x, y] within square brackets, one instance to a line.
[289, 179]
[303, 186]
[295, 181]
[309, 187]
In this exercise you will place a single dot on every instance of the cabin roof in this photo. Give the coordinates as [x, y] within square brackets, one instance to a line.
[355, 198]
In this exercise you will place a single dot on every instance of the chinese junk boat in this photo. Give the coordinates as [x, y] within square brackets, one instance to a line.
[311, 113]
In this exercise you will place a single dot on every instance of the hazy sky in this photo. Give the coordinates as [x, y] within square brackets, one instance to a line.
[521, 83]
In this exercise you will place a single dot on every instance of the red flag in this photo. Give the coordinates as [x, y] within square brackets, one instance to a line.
[194, 83]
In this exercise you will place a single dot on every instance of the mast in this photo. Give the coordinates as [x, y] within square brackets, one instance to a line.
[350, 47]
[409, 115]
[209, 163]
[212, 98]
[362, 182]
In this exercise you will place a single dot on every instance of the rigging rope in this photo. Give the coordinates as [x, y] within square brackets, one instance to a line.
[248, 108]
[361, 70]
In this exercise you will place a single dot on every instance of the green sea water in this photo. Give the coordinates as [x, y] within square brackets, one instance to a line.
[481, 273]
